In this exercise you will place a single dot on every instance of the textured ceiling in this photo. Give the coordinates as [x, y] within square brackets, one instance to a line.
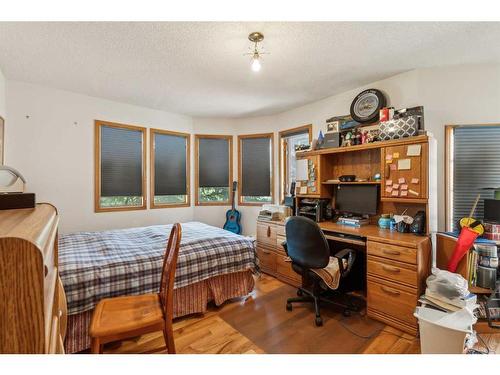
[198, 68]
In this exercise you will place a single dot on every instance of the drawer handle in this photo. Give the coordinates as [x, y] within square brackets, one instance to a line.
[45, 270]
[390, 291]
[391, 269]
[266, 252]
[268, 231]
[391, 252]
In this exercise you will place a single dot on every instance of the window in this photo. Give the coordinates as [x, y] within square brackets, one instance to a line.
[213, 169]
[288, 139]
[169, 169]
[255, 169]
[120, 156]
[472, 166]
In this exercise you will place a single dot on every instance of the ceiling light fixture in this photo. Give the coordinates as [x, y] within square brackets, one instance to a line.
[256, 38]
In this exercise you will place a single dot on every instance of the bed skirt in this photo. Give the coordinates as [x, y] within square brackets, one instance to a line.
[188, 300]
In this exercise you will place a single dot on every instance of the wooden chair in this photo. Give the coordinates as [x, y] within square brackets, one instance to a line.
[120, 318]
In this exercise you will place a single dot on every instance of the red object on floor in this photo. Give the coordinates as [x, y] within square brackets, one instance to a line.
[465, 241]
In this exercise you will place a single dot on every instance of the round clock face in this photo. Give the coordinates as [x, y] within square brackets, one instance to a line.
[365, 107]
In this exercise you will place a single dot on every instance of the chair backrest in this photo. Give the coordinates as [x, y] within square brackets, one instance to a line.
[168, 272]
[306, 243]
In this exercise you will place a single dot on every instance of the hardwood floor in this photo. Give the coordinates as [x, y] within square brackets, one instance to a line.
[215, 332]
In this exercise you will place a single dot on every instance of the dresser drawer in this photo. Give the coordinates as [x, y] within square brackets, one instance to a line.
[398, 253]
[266, 234]
[284, 270]
[279, 247]
[267, 260]
[391, 300]
[280, 229]
[394, 271]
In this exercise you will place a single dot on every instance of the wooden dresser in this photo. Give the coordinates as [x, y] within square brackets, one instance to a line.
[397, 265]
[271, 255]
[33, 305]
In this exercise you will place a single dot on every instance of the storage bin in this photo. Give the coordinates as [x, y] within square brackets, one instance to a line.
[436, 338]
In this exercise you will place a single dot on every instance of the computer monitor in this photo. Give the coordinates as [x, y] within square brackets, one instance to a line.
[357, 199]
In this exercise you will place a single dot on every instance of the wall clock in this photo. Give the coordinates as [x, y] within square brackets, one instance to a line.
[366, 105]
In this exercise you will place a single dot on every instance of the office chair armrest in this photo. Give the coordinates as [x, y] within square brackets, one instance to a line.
[348, 254]
[285, 247]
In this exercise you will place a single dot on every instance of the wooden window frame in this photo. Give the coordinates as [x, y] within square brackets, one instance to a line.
[247, 136]
[281, 159]
[152, 132]
[448, 170]
[97, 166]
[197, 138]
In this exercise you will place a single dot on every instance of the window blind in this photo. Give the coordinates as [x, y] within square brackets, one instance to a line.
[170, 164]
[121, 162]
[476, 165]
[256, 167]
[213, 162]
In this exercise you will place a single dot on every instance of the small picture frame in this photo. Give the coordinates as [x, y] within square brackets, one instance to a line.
[332, 127]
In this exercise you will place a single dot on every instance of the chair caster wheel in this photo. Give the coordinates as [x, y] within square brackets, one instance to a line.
[299, 293]
[288, 307]
[318, 321]
[346, 313]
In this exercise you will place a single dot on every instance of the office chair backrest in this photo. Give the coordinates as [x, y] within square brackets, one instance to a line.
[306, 243]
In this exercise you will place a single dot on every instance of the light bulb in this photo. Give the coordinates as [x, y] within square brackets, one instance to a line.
[256, 64]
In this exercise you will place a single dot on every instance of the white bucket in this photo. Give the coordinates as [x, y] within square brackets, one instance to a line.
[436, 338]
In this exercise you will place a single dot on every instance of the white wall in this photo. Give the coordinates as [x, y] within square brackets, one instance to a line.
[56, 155]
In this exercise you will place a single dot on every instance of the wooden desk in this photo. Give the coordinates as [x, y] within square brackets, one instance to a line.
[397, 265]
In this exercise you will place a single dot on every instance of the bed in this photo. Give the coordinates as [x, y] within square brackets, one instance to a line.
[213, 265]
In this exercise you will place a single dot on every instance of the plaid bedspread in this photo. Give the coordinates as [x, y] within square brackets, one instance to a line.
[96, 265]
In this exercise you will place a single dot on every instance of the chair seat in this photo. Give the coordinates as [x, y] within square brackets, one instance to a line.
[119, 315]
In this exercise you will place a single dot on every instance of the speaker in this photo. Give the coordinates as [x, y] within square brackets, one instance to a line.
[492, 210]
[10, 201]
[418, 225]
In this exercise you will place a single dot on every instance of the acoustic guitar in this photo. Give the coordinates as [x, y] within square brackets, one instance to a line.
[233, 216]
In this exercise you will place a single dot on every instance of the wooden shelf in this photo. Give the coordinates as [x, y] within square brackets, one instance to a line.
[366, 146]
[404, 200]
[351, 183]
[479, 290]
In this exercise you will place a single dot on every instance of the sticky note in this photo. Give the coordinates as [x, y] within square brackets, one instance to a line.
[388, 189]
[388, 161]
[412, 192]
[404, 164]
[414, 180]
[402, 180]
[393, 167]
[414, 150]
[395, 186]
[395, 193]
[388, 182]
[388, 157]
[404, 193]
[404, 187]
[395, 155]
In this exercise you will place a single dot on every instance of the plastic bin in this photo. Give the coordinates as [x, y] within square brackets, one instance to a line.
[436, 338]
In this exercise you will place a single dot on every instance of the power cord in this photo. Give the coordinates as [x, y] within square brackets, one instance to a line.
[350, 330]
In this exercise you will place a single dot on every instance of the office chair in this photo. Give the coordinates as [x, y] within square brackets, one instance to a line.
[308, 249]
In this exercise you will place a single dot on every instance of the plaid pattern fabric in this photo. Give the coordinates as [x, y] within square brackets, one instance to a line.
[97, 265]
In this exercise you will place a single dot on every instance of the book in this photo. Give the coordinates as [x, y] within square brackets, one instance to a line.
[469, 301]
